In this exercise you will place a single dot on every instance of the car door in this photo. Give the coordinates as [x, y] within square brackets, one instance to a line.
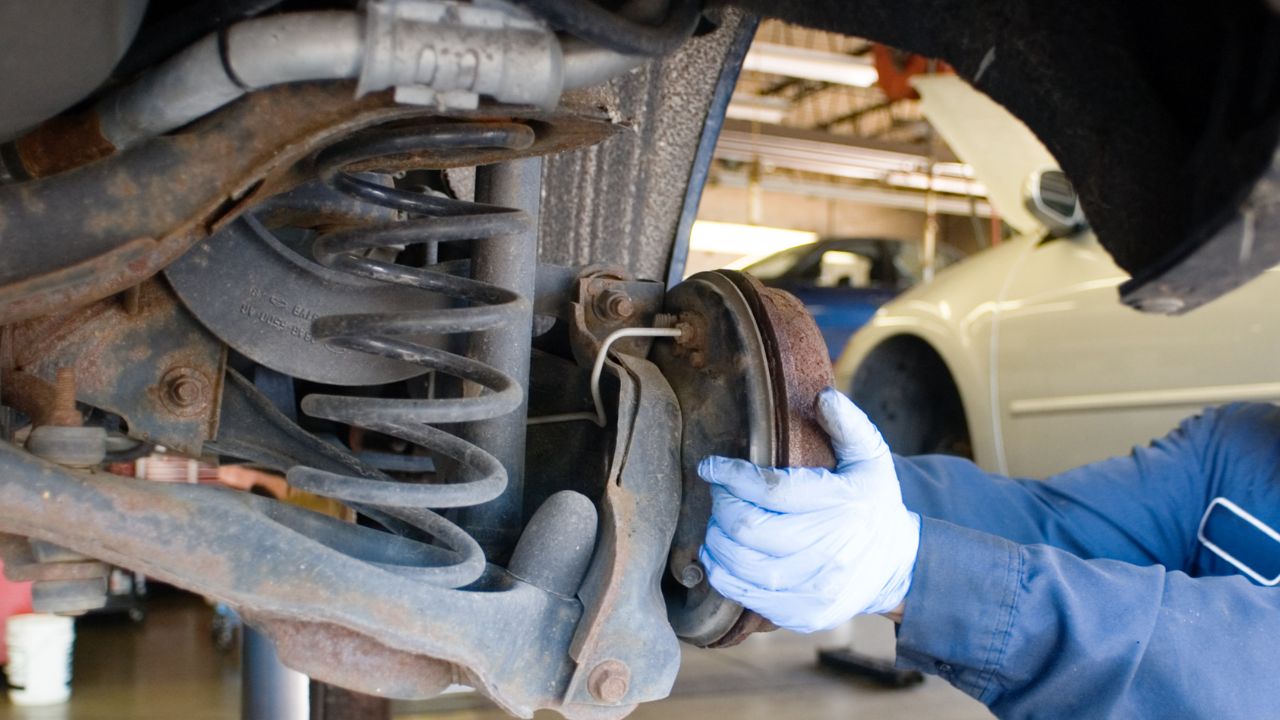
[1079, 376]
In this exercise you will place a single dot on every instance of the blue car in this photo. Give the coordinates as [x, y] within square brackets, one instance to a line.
[843, 281]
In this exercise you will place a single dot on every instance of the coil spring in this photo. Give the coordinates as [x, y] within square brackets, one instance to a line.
[405, 507]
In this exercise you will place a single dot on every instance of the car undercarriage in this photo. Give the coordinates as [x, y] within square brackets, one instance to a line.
[423, 258]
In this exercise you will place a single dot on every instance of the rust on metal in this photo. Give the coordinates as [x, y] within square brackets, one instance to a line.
[749, 623]
[63, 410]
[62, 143]
[799, 368]
[602, 301]
[132, 300]
[185, 391]
[158, 369]
[336, 655]
[609, 681]
[193, 182]
[692, 342]
[612, 304]
[626, 650]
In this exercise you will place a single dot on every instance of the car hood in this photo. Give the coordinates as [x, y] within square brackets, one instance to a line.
[1001, 149]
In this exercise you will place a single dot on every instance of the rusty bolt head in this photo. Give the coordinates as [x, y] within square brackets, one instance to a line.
[185, 391]
[609, 681]
[698, 359]
[692, 327]
[614, 305]
[688, 334]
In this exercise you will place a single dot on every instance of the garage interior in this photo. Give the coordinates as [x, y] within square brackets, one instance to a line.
[811, 143]
[828, 180]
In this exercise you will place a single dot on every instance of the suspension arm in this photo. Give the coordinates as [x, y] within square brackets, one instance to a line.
[270, 559]
[322, 588]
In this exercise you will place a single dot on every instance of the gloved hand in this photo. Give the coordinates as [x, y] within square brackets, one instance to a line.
[806, 547]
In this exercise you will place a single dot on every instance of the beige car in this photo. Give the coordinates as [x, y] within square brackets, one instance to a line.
[1023, 357]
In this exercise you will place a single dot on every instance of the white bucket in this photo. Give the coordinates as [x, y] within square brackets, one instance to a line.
[39, 658]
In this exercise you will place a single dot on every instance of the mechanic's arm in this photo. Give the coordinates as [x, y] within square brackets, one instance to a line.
[1033, 631]
[1027, 629]
[1142, 508]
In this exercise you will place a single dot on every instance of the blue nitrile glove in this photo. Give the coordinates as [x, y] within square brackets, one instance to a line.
[809, 548]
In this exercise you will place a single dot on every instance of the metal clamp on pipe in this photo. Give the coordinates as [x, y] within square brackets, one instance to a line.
[433, 52]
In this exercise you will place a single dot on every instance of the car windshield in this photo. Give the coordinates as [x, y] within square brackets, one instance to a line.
[780, 263]
[853, 262]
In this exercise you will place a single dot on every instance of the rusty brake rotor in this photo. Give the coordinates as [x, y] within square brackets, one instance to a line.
[747, 371]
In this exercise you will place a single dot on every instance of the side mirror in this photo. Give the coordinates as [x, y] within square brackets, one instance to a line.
[1052, 199]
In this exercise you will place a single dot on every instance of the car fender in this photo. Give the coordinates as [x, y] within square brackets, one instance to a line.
[966, 370]
[955, 316]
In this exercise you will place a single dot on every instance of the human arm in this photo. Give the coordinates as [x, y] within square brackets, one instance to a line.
[1142, 508]
[1033, 631]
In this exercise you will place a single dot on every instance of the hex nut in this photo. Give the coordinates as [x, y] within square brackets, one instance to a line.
[185, 391]
[688, 334]
[614, 305]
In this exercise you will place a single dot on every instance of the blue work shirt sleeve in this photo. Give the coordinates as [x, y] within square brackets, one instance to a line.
[1033, 631]
[1142, 508]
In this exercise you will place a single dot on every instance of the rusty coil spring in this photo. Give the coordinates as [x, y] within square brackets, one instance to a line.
[405, 508]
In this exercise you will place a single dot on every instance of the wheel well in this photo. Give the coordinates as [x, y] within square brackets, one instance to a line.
[908, 391]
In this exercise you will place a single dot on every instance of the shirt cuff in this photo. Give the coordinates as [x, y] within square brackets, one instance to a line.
[961, 606]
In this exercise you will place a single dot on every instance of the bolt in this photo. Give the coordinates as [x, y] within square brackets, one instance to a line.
[609, 681]
[63, 411]
[184, 391]
[664, 320]
[691, 326]
[614, 305]
[688, 333]
[691, 575]
[68, 594]
[698, 359]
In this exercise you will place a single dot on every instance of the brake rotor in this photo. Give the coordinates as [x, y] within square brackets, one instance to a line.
[747, 372]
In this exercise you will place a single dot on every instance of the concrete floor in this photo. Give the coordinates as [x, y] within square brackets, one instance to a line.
[167, 667]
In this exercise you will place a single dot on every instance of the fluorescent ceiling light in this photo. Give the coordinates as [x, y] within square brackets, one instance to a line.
[842, 159]
[757, 108]
[797, 62]
[881, 197]
[922, 181]
[750, 240]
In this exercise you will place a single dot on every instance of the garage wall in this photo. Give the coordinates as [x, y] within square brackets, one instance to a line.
[824, 216]
[797, 212]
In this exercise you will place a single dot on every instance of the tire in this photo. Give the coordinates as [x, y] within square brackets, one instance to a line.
[908, 392]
